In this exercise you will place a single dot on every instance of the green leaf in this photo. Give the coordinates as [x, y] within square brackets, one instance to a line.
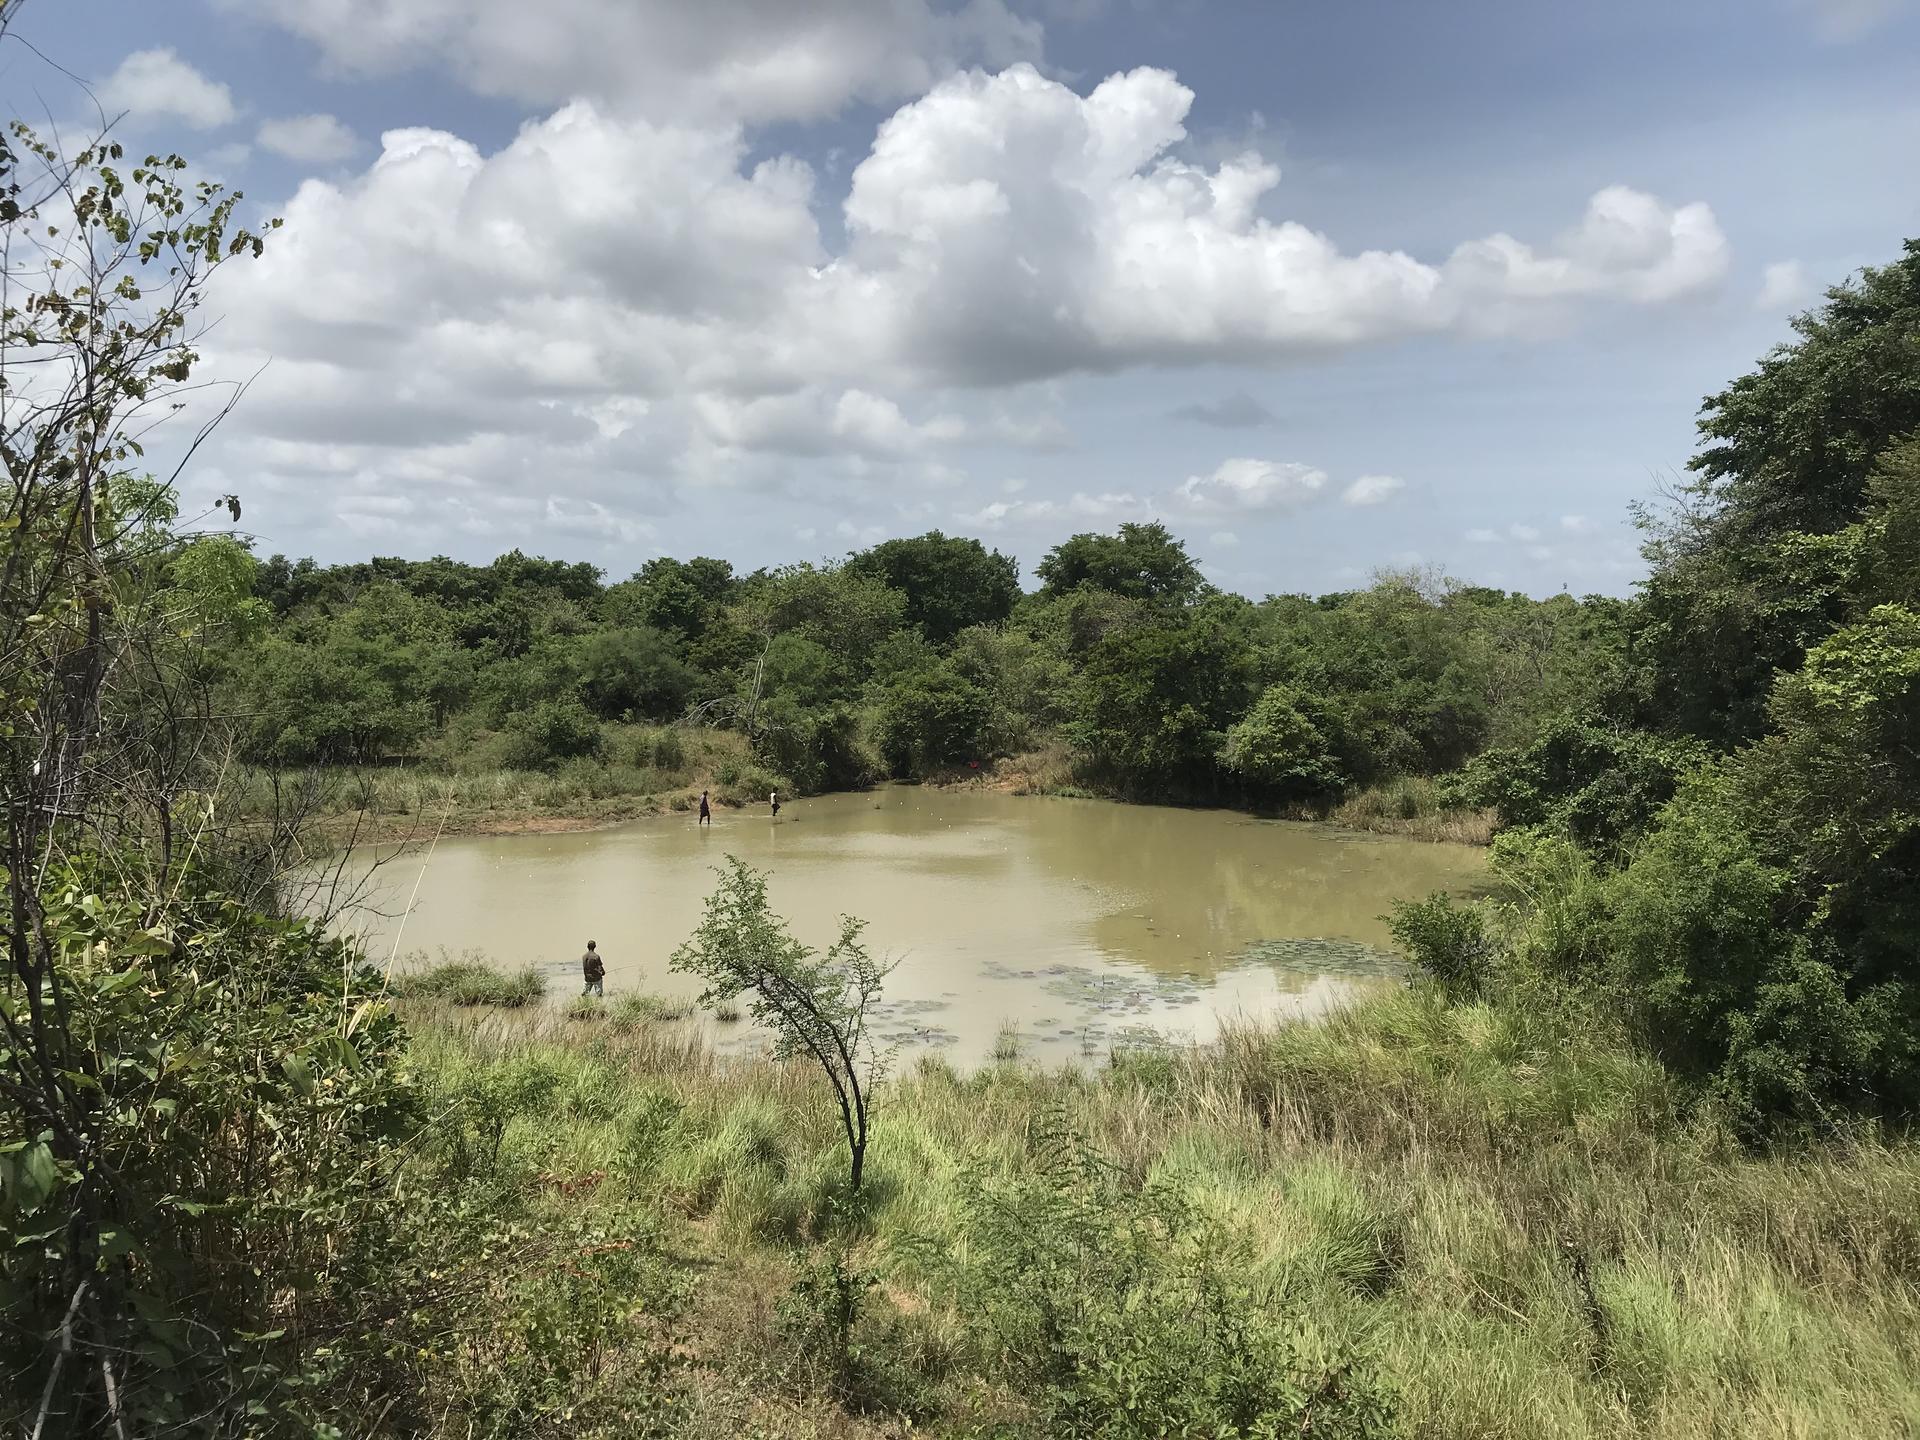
[33, 1177]
[115, 983]
[300, 1073]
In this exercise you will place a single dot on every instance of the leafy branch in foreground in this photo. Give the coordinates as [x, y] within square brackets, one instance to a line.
[815, 1004]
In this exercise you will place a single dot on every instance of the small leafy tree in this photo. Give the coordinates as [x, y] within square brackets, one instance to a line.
[1277, 744]
[815, 1004]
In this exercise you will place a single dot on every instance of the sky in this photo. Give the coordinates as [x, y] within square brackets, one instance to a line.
[1325, 288]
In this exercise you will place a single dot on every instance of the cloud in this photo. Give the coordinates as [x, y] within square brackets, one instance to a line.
[313, 139]
[1239, 411]
[158, 84]
[590, 517]
[1628, 246]
[1840, 21]
[1519, 534]
[1251, 485]
[1225, 539]
[1109, 506]
[1784, 285]
[1372, 490]
[1575, 524]
[1006, 228]
[485, 323]
[720, 59]
[818, 422]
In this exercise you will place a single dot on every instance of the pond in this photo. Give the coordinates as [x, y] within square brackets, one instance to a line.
[1070, 925]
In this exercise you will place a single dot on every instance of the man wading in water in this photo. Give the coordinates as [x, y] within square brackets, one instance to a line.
[773, 799]
[595, 969]
[706, 812]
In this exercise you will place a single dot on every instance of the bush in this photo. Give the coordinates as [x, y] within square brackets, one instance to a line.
[236, 1116]
[1447, 942]
[667, 751]
[1601, 785]
[1278, 747]
[1125, 1311]
[634, 672]
[548, 732]
[932, 718]
[1694, 929]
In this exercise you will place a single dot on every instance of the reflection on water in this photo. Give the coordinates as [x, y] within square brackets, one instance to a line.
[1070, 921]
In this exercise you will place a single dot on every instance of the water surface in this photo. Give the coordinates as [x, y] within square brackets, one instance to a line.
[1076, 923]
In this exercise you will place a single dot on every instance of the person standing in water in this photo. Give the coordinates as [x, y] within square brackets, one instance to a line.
[706, 810]
[595, 970]
[773, 799]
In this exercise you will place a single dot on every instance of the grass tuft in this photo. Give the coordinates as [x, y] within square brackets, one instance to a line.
[472, 982]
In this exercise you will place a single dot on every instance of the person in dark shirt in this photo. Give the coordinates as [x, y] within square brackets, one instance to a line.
[595, 969]
[706, 811]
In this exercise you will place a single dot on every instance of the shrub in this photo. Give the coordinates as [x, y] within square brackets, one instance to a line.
[1126, 1311]
[930, 718]
[548, 732]
[1447, 942]
[1601, 785]
[1278, 747]
[668, 750]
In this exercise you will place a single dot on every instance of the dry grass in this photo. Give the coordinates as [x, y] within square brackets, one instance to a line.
[409, 801]
[1407, 805]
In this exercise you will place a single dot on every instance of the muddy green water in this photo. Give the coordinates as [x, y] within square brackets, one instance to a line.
[1078, 924]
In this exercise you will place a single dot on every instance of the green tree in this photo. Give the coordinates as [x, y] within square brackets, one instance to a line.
[1744, 581]
[105, 265]
[949, 583]
[846, 614]
[930, 718]
[634, 672]
[1789, 446]
[1144, 562]
[1277, 746]
[1155, 703]
[816, 1004]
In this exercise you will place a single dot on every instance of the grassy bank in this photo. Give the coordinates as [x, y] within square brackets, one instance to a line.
[639, 770]
[1430, 1222]
[1408, 805]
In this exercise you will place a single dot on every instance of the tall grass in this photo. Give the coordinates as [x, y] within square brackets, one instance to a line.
[640, 770]
[1411, 805]
[1522, 1223]
[471, 982]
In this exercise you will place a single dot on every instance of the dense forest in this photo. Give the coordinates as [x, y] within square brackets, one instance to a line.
[1632, 1154]
[910, 659]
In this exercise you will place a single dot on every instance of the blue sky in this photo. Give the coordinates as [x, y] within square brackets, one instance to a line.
[1324, 287]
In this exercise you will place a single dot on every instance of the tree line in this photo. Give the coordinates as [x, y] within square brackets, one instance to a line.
[911, 658]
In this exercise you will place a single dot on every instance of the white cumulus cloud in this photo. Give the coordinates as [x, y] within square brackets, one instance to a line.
[1784, 285]
[1243, 484]
[718, 59]
[612, 305]
[158, 84]
[1371, 490]
[313, 139]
